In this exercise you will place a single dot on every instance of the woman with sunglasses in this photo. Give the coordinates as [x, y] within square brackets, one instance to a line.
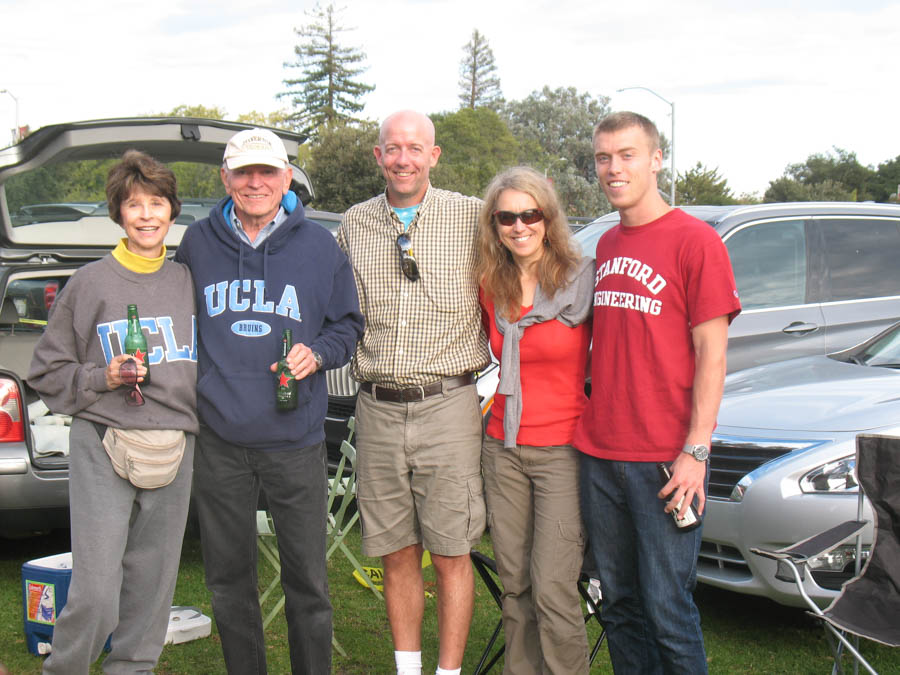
[536, 295]
[126, 540]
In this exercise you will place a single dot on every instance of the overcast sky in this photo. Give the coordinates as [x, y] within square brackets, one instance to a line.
[757, 85]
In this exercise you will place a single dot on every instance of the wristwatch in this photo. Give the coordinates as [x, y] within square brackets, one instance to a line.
[318, 358]
[700, 452]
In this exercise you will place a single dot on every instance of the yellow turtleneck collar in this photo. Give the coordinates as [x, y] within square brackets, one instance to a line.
[135, 262]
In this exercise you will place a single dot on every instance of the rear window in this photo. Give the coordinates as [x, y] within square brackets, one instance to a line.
[27, 301]
[65, 202]
[862, 255]
[769, 263]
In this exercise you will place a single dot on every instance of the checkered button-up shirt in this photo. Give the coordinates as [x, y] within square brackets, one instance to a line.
[416, 331]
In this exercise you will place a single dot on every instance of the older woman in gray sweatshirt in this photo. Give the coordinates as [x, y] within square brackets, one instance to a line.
[126, 540]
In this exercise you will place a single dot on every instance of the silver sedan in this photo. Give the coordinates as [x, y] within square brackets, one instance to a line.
[783, 463]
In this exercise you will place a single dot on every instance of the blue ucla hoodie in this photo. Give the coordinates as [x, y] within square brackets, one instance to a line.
[299, 279]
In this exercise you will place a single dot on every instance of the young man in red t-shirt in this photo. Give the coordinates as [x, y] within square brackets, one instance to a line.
[664, 297]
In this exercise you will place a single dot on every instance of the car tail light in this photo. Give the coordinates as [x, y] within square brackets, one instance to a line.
[11, 428]
[50, 291]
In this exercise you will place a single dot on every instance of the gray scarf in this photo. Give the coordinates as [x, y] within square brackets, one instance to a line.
[570, 306]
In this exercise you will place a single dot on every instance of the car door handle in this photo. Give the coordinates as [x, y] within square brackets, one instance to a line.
[800, 328]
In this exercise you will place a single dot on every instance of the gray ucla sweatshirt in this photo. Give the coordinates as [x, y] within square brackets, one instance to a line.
[86, 329]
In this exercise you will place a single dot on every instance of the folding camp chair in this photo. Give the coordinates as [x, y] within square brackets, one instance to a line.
[342, 514]
[487, 570]
[869, 604]
[267, 545]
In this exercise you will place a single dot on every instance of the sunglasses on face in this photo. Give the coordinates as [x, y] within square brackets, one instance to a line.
[408, 263]
[508, 218]
[128, 375]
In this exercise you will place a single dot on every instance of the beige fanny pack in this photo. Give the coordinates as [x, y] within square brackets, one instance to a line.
[147, 458]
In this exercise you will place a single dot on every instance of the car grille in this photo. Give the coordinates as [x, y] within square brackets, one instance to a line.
[733, 458]
[341, 393]
[722, 562]
[341, 407]
[340, 383]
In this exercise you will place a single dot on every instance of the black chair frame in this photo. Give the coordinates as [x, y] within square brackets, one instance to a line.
[487, 570]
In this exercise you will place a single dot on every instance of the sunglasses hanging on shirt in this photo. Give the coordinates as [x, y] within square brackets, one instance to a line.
[408, 263]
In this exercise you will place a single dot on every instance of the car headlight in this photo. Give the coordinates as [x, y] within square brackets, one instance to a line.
[836, 476]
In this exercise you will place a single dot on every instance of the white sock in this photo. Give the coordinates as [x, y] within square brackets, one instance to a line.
[408, 663]
[444, 671]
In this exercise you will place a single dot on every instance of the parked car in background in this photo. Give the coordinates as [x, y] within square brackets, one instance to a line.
[814, 277]
[783, 464]
[330, 221]
[53, 220]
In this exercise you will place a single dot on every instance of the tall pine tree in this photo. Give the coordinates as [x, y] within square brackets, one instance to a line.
[327, 89]
[479, 86]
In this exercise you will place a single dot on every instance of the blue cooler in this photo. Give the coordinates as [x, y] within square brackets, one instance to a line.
[45, 589]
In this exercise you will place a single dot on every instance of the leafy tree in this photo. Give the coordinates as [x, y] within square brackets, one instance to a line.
[342, 166]
[276, 120]
[579, 197]
[479, 85]
[327, 90]
[835, 176]
[886, 181]
[561, 122]
[184, 110]
[703, 186]
[555, 128]
[786, 189]
[475, 146]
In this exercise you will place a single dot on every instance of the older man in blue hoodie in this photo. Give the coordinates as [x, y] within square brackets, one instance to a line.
[259, 266]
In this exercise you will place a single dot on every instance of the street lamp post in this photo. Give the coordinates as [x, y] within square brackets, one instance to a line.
[16, 130]
[671, 140]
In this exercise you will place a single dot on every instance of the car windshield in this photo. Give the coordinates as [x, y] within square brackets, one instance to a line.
[588, 236]
[883, 352]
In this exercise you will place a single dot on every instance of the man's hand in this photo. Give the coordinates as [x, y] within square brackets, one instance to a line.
[687, 480]
[300, 360]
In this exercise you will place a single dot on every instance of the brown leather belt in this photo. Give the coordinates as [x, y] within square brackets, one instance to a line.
[381, 393]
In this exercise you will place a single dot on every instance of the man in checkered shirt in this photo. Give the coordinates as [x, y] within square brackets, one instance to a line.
[418, 418]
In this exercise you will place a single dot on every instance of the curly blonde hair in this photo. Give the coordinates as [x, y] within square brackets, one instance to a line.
[495, 267]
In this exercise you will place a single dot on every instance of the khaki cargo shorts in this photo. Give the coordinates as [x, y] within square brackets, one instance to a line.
[419, 473]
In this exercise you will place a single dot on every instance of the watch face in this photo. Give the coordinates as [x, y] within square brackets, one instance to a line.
[699, 451]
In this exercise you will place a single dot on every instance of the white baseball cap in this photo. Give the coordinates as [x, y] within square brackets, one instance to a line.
[255, 146]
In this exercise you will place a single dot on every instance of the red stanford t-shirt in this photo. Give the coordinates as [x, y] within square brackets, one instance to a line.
[653, 283]
[553, 361]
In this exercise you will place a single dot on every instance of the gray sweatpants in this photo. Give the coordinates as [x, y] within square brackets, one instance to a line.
[126, 545]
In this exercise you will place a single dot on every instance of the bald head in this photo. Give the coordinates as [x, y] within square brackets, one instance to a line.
[408, 119]
[406, 154]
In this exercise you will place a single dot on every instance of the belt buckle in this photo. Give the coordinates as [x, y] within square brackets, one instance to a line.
[413, 394]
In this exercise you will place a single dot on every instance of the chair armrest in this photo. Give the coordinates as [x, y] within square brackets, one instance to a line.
[815, 545]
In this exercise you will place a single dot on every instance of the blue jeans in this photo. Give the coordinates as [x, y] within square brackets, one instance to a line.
[647, 569]
[227, 481]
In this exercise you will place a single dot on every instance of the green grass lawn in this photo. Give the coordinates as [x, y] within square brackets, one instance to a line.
[743, 634]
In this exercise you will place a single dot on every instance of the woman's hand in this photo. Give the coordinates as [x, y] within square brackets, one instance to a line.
[113, 371]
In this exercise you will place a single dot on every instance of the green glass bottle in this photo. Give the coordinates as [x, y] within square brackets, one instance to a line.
[286, 385]
[136, 341]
